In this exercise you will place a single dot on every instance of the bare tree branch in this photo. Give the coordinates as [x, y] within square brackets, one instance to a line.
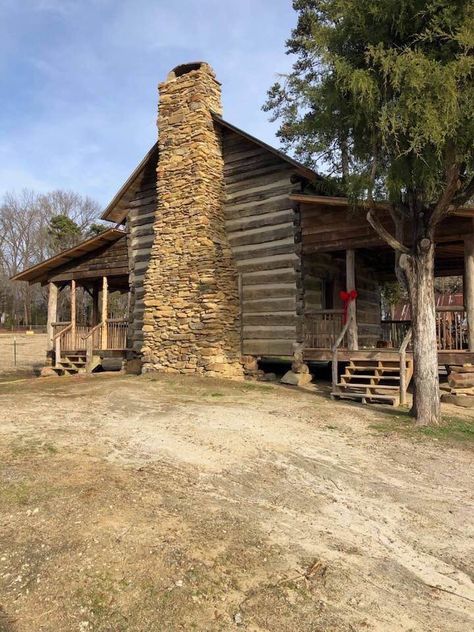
[383, 233]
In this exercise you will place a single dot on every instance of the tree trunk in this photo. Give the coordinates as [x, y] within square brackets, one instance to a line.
[420, 275]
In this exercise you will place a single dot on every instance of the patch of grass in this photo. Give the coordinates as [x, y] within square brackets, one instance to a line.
[451, 428]
[250, 386]
[97, 599]
[217, 394]
[26, 492]
[15, 494]
[32, 447]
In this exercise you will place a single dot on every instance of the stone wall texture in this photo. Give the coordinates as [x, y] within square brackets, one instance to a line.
[191, 317]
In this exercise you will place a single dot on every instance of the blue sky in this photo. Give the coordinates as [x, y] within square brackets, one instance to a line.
[78, 80]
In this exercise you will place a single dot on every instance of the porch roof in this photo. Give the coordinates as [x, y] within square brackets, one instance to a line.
[329, 224]
[46, 269]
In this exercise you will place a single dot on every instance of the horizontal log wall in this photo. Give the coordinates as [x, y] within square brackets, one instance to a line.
[319, 269]
[140, 217]
[262, 226]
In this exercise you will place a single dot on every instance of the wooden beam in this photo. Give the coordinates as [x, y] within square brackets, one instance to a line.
[52, 313]
[105, 292]
[352, 338]
[468, 289]
[95, 306]
[73, 310]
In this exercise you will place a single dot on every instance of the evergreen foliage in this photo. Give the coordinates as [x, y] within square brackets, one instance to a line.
[381, 95]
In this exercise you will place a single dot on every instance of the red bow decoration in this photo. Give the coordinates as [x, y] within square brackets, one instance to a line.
[346, 298]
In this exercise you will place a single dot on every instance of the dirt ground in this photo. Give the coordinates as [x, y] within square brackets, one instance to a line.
[162, 504]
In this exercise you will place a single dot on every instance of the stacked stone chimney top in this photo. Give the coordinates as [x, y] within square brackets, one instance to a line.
[191, 67]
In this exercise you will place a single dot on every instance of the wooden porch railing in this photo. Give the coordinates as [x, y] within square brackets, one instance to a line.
[322, 327]
[60, 331]
[116, 333]
[394, 331]
[109, 335]
[451, 329]
[93, 340]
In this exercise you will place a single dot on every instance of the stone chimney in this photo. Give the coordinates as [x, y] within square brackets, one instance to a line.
[191, 319]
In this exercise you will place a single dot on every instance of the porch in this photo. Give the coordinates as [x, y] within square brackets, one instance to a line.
[76, 345]
[88, 302]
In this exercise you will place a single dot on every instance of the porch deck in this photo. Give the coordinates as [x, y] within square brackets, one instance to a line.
[323, 327]
[445, 356]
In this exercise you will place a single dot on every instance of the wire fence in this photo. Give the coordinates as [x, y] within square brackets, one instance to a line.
[22, 329]
[22, 352]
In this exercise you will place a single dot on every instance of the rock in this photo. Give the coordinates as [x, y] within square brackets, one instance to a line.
[238, 619]
[47, 371]
[133, 366]
[462, 391]
[464, 401]
[296, 379]
[465, 368]
[268, 377]
[299, 367]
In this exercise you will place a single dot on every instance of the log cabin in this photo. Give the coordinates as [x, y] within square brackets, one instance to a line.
[224, 255]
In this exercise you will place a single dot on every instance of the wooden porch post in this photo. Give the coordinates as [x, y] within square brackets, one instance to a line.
[468, 289]
[104, 312]
[73, 311]
[52, 312]
[95, 306]
[352, 338]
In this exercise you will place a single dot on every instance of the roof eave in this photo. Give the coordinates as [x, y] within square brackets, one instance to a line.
[302, 170]
[36, 273]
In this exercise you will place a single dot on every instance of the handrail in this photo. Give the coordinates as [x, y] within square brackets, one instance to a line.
[90, 342]
[63, 331]
[57, 343]
[450, 308]
[324, 311]
[403, 366]
[101, 324]
[335, 346]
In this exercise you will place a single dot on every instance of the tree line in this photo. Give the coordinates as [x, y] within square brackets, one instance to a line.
[33, 227]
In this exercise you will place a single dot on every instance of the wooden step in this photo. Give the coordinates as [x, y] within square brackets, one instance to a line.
[60, 370]
[379, 387]
[364, 398]
[373, 368]
[370, 377]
